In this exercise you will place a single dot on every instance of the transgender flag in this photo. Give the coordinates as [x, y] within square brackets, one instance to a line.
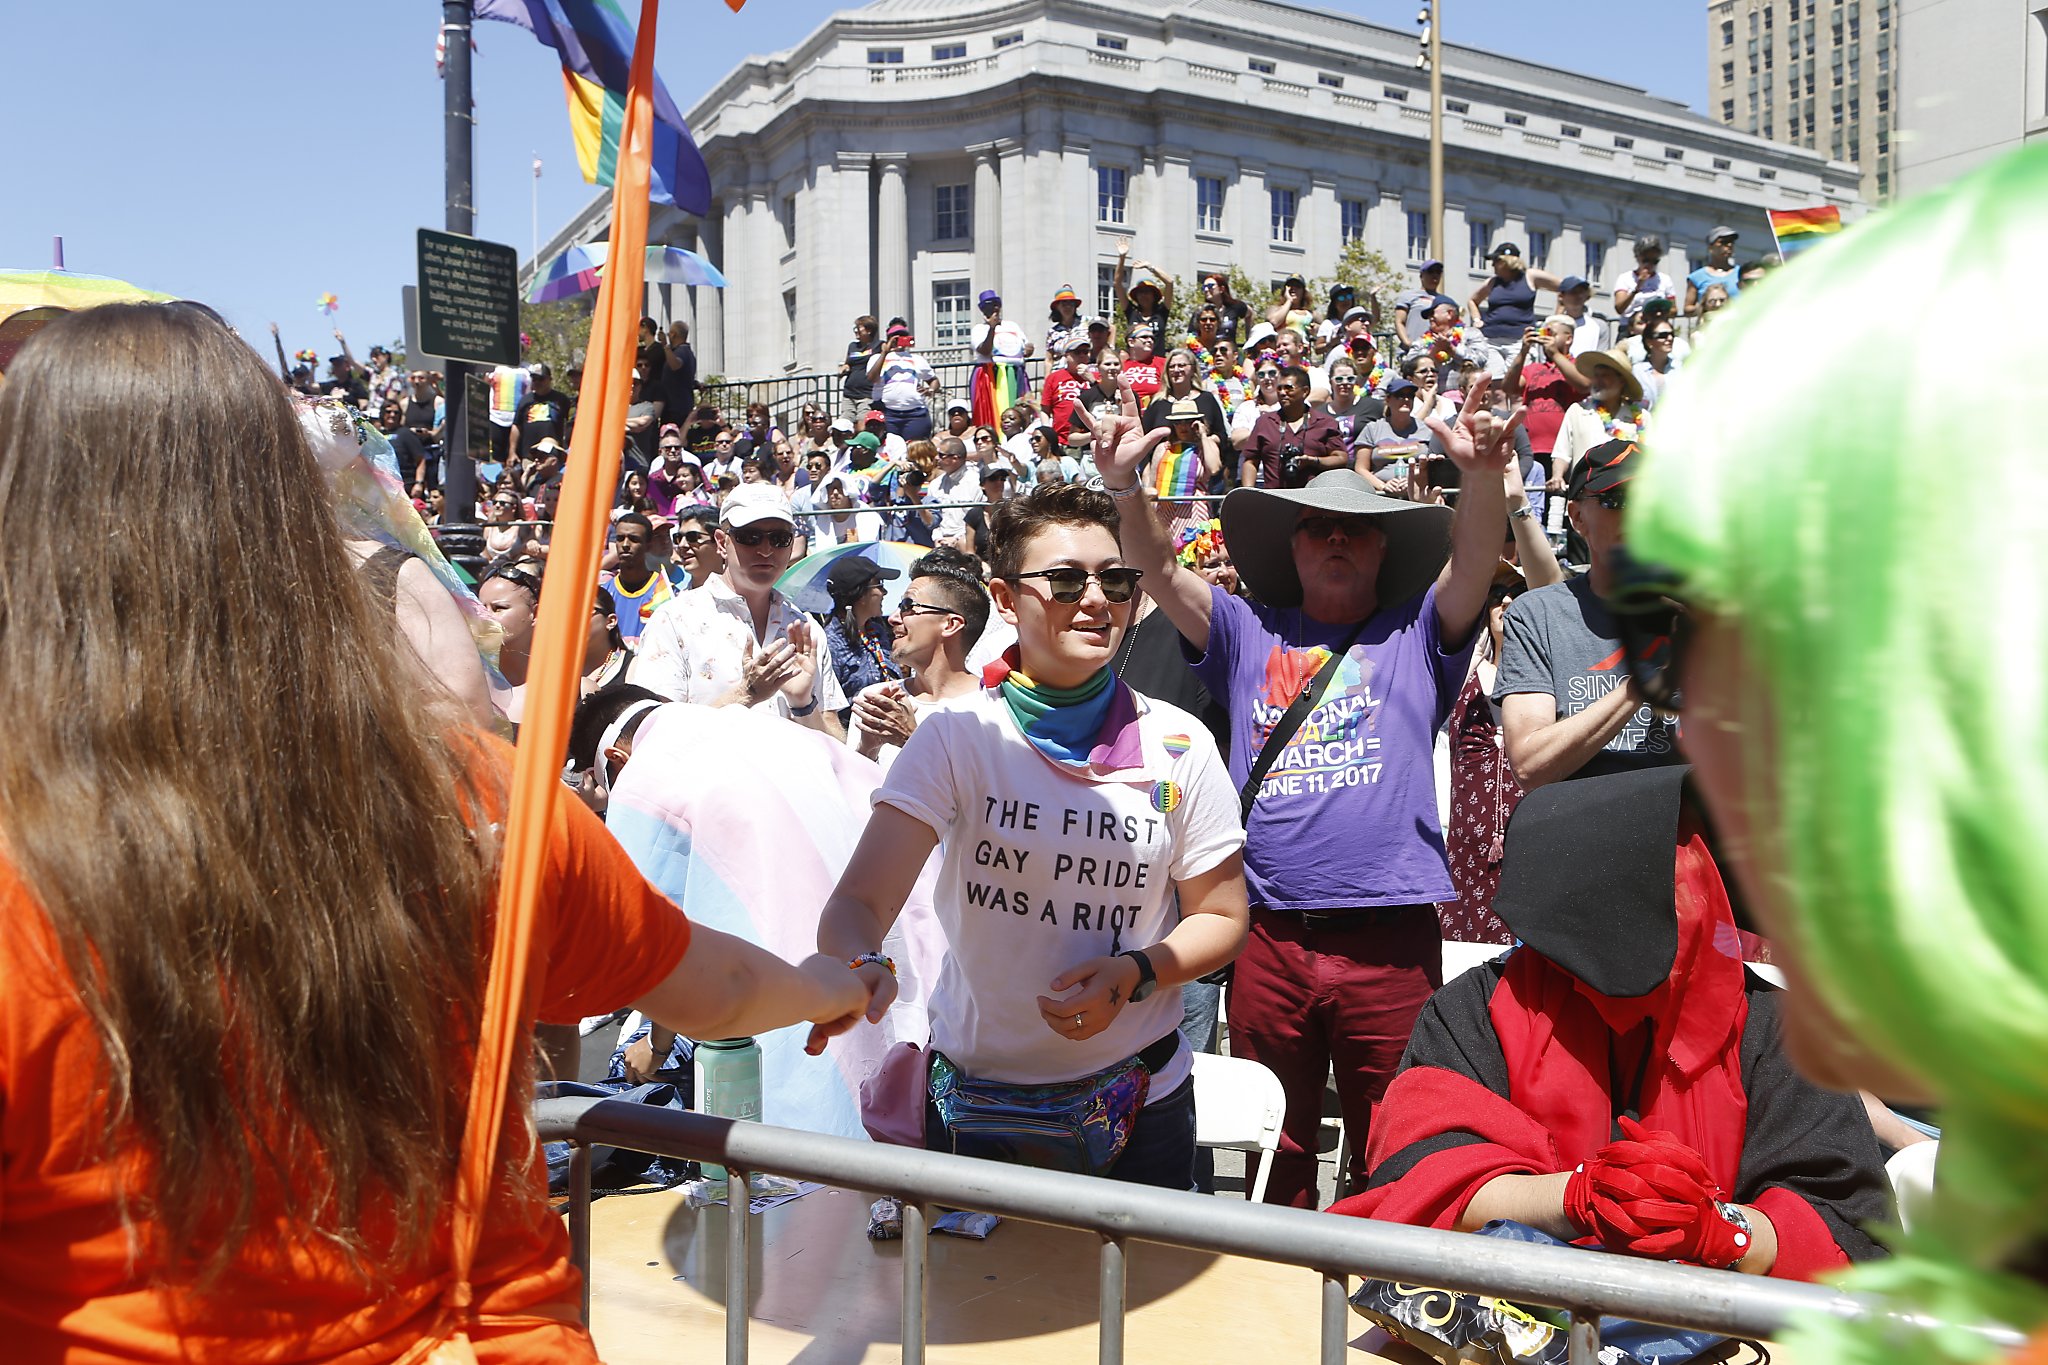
[746, 820]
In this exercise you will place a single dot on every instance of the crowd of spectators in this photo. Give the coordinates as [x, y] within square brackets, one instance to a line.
[1433, 511]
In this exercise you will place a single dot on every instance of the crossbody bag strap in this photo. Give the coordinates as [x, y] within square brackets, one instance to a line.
[1290, 724]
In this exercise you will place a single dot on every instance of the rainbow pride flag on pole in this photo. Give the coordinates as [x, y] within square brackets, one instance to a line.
[1797, 229]
[595, 40]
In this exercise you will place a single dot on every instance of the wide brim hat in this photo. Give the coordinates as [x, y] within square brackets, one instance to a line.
[1258, 524]
[1617, 362]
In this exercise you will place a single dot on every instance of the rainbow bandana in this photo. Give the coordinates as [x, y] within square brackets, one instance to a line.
[1089, 732]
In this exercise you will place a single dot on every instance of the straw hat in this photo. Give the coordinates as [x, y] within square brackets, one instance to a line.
[1617, 362]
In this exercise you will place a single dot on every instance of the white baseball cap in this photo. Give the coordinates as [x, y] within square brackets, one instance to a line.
[752, 502]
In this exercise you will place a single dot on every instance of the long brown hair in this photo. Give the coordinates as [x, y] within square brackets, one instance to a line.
[241, 815]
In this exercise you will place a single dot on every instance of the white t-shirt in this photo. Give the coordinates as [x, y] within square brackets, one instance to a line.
[694, 645]
[1043, 870]
[1011, 341]
[1658, 286]
[897, 386]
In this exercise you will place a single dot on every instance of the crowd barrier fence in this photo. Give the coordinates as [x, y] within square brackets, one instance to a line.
[1585, 1286]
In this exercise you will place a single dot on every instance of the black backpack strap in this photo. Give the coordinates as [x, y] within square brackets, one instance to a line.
[1289, 724]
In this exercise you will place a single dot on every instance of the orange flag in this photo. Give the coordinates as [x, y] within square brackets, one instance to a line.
[553, 675]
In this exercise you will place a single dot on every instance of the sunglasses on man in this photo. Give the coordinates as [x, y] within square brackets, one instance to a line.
[1065, 586]
[752, 536]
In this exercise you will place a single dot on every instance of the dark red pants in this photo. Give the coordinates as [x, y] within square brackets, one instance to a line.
[1311, 993]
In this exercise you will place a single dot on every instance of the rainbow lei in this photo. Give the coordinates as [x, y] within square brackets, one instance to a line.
[1225, 381]
[1444, 345]
[1196, 541]
[1625, 424]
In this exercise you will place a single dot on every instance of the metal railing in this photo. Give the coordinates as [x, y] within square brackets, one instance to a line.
[1565, 1278]
[788, 395]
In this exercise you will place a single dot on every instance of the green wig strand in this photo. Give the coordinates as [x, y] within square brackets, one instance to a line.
[1875, 527]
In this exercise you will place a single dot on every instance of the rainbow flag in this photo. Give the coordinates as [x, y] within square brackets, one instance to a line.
[1177, 472]
[595, 40]
[995, 388]
[1798, 229]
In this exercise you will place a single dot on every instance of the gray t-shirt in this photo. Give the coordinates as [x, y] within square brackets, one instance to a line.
[1379, 432]
[1562, 641]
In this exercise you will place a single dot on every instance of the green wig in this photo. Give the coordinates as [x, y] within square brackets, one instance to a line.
[1826, 478]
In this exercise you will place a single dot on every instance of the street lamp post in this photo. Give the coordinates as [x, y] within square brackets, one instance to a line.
[458, 461]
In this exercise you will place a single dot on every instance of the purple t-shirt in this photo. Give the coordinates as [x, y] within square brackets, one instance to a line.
[1347, 816]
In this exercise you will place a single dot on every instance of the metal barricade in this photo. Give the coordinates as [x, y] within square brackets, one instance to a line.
[1556, 1277]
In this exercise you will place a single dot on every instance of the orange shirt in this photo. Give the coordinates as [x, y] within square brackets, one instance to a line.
[603, 938]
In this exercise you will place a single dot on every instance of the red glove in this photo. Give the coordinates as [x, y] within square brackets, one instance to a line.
[1652, 1195]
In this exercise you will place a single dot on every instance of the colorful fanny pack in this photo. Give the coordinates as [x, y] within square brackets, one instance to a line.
[1080, 1125]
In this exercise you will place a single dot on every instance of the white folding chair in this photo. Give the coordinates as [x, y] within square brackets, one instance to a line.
[1239, 1104]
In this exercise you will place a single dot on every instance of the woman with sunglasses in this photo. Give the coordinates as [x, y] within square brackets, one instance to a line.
[505, 537]
[1184, 383]
[1072, 813]
[510, 594]
[1264, 398]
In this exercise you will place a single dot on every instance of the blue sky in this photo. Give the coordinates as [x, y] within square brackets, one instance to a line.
[256, 154]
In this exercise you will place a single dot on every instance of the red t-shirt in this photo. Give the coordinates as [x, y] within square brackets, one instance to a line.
[603, 938]
[1146, 378]
[1062, 388]
[1548, 395]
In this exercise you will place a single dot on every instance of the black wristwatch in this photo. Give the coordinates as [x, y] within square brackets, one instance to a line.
[1148, 980]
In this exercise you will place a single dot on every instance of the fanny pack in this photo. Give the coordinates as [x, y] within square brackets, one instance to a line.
[1080, 1126]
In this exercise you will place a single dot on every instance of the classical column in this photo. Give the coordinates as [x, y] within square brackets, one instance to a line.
[850, 273]
[987, 222]
[1251, 224]
[707, 334]
[1172, 222]
[1316, 227]
[892, 241]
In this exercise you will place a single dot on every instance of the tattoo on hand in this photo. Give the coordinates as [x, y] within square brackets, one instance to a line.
[1116, 995]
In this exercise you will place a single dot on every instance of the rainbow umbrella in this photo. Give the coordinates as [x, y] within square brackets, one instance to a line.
[21, 289]
[576, 271]
[804, 581]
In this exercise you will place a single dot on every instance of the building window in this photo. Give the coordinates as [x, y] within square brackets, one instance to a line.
[789, 323]
[1260, 65]
[1855, 27]
[1105, 290]
[1727, 111]
[1596, 252]
[1884, 61]
[1325, 78]
[1809, 85]
[949, 52]
[1752, 23]
[1112, 185]
[952, 207]
[1770, 130]
[1395, 93]
[1769, 15]
[1456, 107]
[1727, 73]
[1208, 203]
[1768, 66]
[1004, 40]
[1515, 120]
[1674, 153]
[1727, 33]
[1884, 18]
[1809, 123]
[1351, 221]
[1111, 43]
[1722, 163]
[1418, 235]
[881, 56]
[1766, 173]
[1568, 130]
[1884, 100]
[951, 319]
[1284, 203]
[788, 217]
[1835, 148]
[1539, 248]
[1624, 143]
[1478, 235]
[1855, 108]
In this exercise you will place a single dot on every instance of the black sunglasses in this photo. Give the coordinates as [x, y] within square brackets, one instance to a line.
[1613, 499]
[1659, 336]
[751, 536]
[512, 573]
[1066, 585]
[1655, 626]
[910, 606]
[1322, 528]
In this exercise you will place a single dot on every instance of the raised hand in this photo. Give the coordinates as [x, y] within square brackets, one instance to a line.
[1122, 445]
[1479, 443]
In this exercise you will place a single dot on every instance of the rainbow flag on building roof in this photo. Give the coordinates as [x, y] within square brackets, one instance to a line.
[1798, 229]
[595, 40]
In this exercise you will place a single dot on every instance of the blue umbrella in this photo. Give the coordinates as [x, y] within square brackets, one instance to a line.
[679, 265]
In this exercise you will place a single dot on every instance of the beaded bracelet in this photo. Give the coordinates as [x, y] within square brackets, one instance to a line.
[879, 959]
[1120, 494]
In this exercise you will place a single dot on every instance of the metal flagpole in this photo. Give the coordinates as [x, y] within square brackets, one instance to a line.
[533, 259]
[458, 119]
[1431, 59]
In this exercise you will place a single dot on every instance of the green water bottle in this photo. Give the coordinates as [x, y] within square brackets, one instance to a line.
[728, 1084]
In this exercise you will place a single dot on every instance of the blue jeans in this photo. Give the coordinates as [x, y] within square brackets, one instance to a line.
[1161, 1150]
